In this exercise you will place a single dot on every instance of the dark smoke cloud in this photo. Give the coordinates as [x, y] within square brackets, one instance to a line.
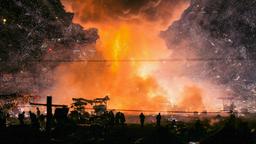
[102, 10]
[31, 32]
[223, 30]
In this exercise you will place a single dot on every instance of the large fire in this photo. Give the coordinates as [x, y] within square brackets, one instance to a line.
[132, 74]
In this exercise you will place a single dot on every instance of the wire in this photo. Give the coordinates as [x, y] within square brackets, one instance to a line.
[144, 60]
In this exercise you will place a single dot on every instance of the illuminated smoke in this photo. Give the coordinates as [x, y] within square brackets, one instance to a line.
[102, 11]
[129, 30]
[192, 99]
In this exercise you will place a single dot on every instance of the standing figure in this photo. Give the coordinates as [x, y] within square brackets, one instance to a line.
[2, 119]
[21, 117]
[34, 120]
[117, 118]
[111, 118]
[41, 120]
[38, 113]
[122, 119]
[142, 119]
[158, 119]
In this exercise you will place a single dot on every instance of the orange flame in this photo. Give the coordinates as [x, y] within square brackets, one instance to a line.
[131, 84]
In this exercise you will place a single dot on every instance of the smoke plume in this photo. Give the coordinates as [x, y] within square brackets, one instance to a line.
[133, 74]
[161, 11]
[223, 35]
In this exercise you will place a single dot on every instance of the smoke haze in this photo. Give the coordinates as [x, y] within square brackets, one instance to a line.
[129, 30]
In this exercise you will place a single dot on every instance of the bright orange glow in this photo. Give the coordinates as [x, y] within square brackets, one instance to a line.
[131, 85]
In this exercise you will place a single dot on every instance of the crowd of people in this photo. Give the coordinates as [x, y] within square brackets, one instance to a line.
[37, 119]
[142, 119]
[113, 127]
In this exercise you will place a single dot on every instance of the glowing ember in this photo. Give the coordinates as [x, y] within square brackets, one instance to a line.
[4, 21]
[49, 50]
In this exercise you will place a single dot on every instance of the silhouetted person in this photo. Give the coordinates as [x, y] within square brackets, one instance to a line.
[38, 113]
[34, 120]
[2, 119]
[173, 124]
[117, 118]
[122, 119]
[111, 118]
[158, 119]
[142, 119]
[21, 117]
[41, 120]
[198, 130]
[61, 115]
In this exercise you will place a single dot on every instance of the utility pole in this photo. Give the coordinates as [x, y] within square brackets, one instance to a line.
[49, 113]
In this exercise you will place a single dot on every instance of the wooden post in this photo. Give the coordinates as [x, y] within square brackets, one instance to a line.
[49, 113]
[49, 106]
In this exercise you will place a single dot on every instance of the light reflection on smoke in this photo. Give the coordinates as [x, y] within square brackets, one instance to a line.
[132, 85]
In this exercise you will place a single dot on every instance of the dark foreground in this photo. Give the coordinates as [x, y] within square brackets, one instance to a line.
[230, 130]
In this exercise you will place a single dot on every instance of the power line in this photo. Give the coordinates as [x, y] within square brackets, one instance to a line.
[167, 111]
[134, 110]
[140, 60]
